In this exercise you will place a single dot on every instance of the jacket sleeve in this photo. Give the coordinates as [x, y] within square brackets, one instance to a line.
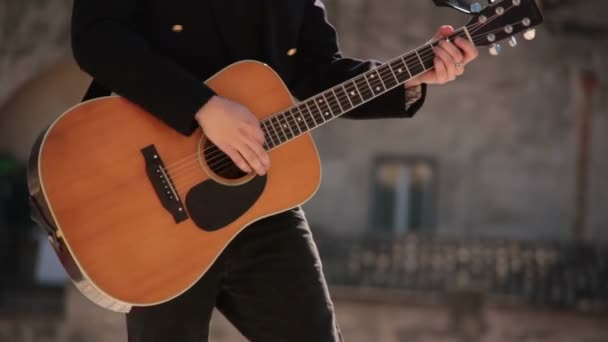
[320, 66]
[106, 46]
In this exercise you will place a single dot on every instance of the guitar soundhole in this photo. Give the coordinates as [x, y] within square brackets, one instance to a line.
[220, 164]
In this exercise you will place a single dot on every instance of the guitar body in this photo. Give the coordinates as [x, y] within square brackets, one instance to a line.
[123, 243]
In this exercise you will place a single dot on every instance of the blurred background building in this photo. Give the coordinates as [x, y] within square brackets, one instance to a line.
[483, 218]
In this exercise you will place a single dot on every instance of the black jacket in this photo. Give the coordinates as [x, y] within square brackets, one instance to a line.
[157, 53]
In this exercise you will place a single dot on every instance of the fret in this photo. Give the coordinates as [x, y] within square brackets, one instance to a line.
[320, 111]
[387, 77]
[337, 100]
[312, 114]
[343, 99]
[347, 96]
[354, 95]
[429, 54]
[419, 58]
[328, 113]
[302, 117]
[286, 125]
[407, 68]
[307, 115]
[399, 70]
[377, 86]
[298, 122]
[363, 83]
[390, 67]
[414, 66]
[293, 124]
[267, 136]
[277, 125]
[271, 134]
[332, 107]
[358, 92]
[381, 80]
[277, 136]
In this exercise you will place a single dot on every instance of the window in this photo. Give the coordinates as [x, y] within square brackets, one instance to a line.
[404, 194]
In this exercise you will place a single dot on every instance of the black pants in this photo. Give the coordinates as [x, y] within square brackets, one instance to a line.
[268, 283]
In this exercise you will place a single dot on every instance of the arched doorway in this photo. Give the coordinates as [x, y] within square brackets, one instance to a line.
[37, 103]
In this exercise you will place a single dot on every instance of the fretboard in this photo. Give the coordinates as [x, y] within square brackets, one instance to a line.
[342, 98]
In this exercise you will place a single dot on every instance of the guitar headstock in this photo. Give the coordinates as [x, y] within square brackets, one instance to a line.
[503, 20]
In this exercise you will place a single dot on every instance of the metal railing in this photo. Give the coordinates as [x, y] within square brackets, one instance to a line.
[554, 274]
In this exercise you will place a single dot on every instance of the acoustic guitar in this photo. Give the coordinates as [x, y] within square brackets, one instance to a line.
[137, 213]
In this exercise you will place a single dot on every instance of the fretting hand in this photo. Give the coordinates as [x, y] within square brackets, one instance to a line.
[450, 60]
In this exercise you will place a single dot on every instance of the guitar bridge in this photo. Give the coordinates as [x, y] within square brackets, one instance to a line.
[162, 184]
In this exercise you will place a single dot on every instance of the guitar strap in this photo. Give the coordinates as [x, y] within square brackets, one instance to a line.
[96, 90]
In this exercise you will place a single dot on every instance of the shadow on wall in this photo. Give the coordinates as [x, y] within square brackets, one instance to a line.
[37, 103]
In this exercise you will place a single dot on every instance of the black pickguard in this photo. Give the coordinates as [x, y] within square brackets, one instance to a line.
[212, 205]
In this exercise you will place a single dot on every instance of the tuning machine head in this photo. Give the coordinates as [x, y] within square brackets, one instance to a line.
[495, 49]
[530, 34]
[475, 7]
[512, 42]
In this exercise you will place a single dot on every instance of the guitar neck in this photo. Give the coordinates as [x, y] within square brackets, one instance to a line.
[343, 98]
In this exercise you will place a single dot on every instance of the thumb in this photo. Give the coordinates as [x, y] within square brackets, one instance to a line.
[444, 31]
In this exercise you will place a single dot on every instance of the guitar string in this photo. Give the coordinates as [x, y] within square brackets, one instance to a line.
[331, 104]
[229, 163]
[276, 124]
[286, 118]
[280, 118]
[284, 125]
[287, 124]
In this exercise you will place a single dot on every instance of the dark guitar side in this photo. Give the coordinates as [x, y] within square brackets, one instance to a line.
[93, 188]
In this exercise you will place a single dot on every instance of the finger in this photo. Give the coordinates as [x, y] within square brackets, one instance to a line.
[452, 50]
[258, 149]
[459, 69]
[250, 157]
[444, 31]
[449, 63]
[253, 136]
[441, 71]
[469, 50]
[236, 158]
[252, 127]
[256, 132]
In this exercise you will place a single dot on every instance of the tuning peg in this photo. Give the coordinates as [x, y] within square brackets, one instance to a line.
[530, 34]
[513, 42]
[475, 7]
[495, 49]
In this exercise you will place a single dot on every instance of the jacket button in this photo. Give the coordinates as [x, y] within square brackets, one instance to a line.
[292, 52]
[177, 28]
